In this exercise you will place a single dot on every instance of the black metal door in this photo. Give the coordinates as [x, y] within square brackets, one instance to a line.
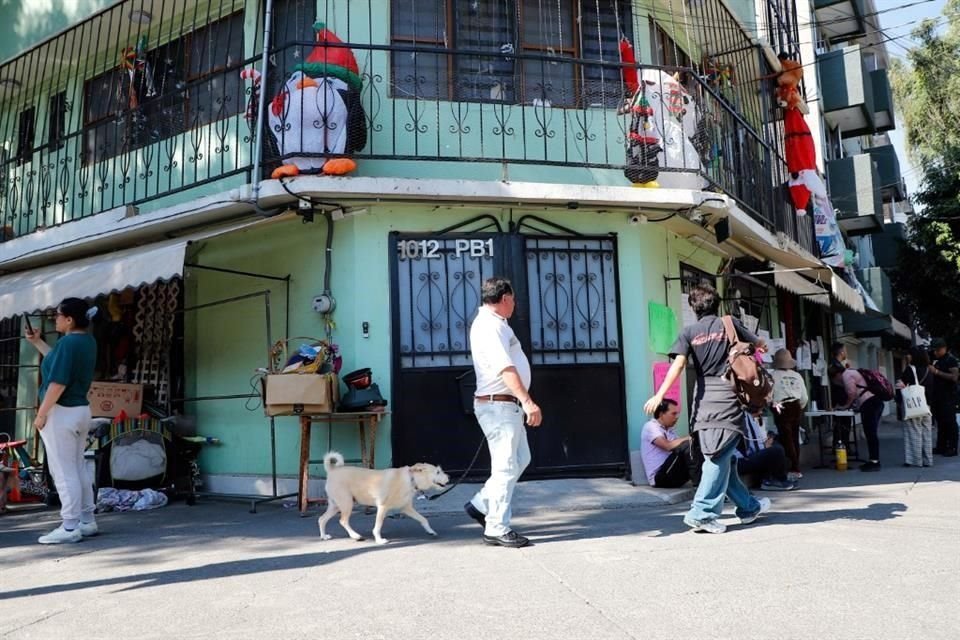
[567, 319]
[10, 334]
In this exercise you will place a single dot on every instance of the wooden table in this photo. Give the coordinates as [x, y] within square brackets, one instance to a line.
[366, 423]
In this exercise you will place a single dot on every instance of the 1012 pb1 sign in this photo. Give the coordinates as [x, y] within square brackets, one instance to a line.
[434, 249]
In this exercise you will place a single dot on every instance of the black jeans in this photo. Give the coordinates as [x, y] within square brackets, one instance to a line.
[766, 464]
[944, 413]
[870, 413]
[675, 471]
[788, 427]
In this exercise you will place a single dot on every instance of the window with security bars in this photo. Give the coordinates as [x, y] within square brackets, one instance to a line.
[438, 294]
[165, 90]
[9, 373]
[751, 302]
[509, 51]
[665, 50]
[691, 277]
[574, 307]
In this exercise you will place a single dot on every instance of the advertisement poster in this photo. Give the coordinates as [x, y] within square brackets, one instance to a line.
[828, 231]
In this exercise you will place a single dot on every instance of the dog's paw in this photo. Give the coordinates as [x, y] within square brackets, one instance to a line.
[382, 541]
[358, 538]
[325, 536]
[432, 532]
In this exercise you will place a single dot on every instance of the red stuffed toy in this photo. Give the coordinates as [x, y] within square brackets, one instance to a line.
[788, 80]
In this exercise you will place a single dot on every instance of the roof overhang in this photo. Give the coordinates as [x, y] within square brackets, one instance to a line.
[37, 290]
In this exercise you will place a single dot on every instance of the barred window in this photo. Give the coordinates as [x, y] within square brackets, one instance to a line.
[166, 90]
[466, 50]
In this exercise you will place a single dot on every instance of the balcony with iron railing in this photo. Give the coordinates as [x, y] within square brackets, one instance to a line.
[118, 114]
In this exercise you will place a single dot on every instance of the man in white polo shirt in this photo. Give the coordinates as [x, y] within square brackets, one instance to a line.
[500, 404]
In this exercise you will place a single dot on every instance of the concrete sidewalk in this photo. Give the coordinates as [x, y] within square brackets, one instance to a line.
[847, 555]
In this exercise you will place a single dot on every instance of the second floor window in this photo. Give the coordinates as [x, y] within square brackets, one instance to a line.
[665, 50]
[159, 92]
[26, 132]
[467, 50]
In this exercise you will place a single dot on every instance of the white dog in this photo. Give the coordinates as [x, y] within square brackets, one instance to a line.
[386, 489]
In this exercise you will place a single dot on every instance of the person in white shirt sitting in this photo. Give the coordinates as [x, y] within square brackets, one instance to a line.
[666, 458]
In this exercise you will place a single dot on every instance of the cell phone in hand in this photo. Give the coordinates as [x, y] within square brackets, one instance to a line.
[26, 319]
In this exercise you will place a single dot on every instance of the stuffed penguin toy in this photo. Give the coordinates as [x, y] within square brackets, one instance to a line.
[317, 117]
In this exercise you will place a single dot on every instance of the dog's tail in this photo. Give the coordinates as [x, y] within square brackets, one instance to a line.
[331, 460]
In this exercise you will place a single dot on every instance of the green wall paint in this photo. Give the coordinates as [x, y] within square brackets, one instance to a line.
[225, 344]
[23, 23]
[83, 189]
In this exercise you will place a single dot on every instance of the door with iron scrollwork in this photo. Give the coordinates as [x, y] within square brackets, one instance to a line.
[567, 318]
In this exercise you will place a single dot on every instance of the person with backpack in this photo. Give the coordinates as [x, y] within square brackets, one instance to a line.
[867, 397]
[918, 431]
[722, 351]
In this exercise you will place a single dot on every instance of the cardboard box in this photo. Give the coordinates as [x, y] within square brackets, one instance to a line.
[290, 394]
[107, 399]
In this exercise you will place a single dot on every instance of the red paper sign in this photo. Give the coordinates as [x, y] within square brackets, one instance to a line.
[659, 375]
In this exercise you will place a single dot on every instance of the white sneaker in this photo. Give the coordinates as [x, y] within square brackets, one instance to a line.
[88, 529]
[765, 505]
[708, 526]
[60, 536]
[794, 476]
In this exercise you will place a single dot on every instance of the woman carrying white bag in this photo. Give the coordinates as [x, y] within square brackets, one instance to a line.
[914, 385]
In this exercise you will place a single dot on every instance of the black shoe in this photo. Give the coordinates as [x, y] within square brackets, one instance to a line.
[474, 513]
[870, 466]
[510, 539]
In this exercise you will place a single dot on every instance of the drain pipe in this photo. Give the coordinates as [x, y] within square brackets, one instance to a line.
[261, 109]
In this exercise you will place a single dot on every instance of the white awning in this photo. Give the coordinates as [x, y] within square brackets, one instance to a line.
[40, 289]
[845, 294]
[900, 329]
[794, 283]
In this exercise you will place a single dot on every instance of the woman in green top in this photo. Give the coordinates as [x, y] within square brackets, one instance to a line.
[63, 418]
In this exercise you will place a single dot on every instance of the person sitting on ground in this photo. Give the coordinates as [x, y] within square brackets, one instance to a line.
[789, 400]
[761, 459]
[666, 456]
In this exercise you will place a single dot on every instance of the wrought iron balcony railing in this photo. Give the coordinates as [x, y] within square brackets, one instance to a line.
[122, 110]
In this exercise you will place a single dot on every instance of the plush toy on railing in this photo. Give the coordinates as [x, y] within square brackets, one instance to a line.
[319, 113]
[788, 81]
[643, 145]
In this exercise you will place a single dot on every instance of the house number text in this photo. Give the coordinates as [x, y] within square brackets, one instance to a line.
[475, 248]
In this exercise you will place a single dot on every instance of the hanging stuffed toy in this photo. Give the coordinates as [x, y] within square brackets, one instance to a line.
[253, 103]
[801, 159]
[318, 117]
[643, 145]
[788, 95]
[629, 61]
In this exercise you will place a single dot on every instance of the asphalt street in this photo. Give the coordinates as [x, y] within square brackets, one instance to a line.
[848, 555]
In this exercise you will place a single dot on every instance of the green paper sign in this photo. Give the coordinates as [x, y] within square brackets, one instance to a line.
[663, 327]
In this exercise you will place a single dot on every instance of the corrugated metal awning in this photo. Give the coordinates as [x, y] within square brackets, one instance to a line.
[44, 288]
[790, 280]
[845, 294]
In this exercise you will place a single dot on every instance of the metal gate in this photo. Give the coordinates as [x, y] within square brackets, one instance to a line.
[9, 373]
[567, 318]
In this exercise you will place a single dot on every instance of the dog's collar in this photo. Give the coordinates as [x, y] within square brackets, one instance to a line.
[413, 485]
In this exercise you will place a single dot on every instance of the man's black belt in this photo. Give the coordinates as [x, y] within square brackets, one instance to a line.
[497, 397]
